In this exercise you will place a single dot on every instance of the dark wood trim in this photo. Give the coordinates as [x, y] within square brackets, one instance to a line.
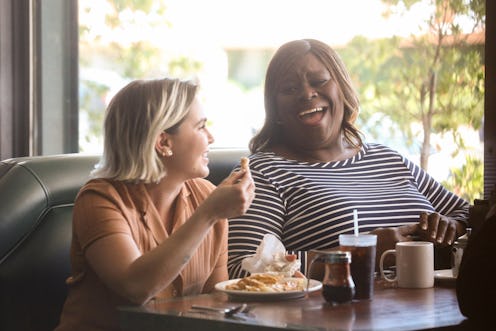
[6, 77]
[72, 121]
[490, 101]
[36, 112]
[20, 79]
[21, 113]
[14, 78]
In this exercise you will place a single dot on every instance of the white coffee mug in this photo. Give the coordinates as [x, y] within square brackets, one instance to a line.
[414, 264]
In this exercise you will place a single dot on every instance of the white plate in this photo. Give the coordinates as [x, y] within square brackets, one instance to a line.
[314, 285]
[445, 274]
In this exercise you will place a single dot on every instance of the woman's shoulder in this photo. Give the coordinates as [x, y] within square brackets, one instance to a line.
[265, 158]
[378, 148]
[98, 185]
[262, 155]
[98, 191]
[106, 188]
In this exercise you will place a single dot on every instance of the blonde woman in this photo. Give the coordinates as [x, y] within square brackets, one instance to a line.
[147, 225]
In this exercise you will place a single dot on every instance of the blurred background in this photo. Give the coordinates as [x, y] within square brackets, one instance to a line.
[418, 67]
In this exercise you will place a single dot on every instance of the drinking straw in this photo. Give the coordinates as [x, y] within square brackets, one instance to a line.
[355, 221]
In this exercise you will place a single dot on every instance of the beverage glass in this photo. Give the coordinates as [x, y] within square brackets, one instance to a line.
[414, 264]
[458, 247]
[363, 250]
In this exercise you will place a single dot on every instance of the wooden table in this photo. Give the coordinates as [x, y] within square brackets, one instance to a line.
[390, 309]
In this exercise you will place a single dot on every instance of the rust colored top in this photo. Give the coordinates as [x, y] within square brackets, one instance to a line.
[105, 207]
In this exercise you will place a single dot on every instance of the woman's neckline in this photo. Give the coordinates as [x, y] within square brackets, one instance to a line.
[351, 153]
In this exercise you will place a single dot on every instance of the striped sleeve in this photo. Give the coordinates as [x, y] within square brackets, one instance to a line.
[444, 202]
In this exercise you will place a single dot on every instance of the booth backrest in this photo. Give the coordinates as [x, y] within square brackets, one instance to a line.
[36, 200]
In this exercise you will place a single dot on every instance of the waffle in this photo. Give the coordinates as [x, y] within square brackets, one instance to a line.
[244, 163]
[265, 282]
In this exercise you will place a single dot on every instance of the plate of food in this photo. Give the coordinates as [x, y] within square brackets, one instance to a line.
[268, 286]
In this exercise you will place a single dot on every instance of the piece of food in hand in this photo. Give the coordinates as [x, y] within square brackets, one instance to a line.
[268, 282]
[245, 163]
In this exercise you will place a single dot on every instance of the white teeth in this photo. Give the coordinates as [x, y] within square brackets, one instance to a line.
[303, 113]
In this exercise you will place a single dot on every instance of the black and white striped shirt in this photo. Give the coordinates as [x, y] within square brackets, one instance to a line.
[308, 205]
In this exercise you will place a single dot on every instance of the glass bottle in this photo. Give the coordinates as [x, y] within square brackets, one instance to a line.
[338, 286]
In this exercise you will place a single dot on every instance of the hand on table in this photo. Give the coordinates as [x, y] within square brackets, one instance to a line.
[438, 229]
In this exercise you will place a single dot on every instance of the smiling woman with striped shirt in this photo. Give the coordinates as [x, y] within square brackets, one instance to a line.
[312, 169]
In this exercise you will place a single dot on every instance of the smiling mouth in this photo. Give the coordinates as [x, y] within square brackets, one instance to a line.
[311, 111]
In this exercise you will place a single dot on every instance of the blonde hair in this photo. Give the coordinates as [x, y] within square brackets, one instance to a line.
[283, 59]
[135, 117]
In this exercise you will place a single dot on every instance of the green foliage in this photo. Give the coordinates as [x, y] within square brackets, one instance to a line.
[138, 60]
[467, 181]
[143, 5]
[149, 7]
[393, 76]
[460, 91]
[122, 57]
[247, 66]
[184, 66]
[397, 78]
[91, 102]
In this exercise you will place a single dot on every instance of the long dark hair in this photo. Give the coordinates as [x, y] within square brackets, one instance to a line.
[285, 56]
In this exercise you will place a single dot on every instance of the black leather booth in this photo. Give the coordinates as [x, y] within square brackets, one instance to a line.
[36, 200]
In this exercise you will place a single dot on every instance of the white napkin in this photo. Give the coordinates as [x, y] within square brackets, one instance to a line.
[270, 257]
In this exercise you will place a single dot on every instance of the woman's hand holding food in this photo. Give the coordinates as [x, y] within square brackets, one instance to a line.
[233, 196]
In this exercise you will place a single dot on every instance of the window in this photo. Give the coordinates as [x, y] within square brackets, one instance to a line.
[42, 110]
[228, 52]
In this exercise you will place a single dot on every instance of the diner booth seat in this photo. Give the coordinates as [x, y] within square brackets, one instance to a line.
[36, 200]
